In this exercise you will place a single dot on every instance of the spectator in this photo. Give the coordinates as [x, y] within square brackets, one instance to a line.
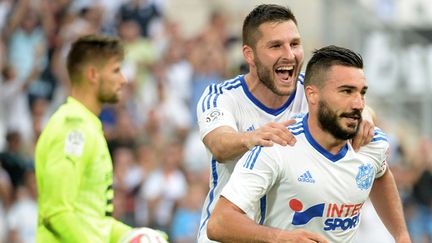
[186, 219]
[142, 11]
[165, 187]
[13, 161]
[22, 216]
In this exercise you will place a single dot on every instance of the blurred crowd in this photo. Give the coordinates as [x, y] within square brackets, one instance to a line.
[160, 171]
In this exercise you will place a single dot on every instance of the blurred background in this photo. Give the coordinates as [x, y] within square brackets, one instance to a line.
[175, 48]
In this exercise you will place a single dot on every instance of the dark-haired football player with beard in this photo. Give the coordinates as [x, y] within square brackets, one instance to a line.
[253, 109]
[314, 191]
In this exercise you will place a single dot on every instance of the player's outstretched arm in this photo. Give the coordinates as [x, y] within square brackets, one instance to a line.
[225, 143]
[385, 198]
[228, 223]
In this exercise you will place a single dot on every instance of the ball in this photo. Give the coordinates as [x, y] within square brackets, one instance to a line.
[144, 235]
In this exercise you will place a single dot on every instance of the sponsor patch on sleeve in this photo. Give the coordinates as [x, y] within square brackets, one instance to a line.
[213, 115]
[74, 144]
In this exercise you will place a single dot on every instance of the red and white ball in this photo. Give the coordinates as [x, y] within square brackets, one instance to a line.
[143, 235]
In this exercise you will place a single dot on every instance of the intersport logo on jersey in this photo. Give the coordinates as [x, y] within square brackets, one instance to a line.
[338, 216]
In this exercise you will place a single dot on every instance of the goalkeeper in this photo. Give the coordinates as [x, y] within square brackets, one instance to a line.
[73, 165]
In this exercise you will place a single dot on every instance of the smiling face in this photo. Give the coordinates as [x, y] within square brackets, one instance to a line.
[342, 101]
[277, 56]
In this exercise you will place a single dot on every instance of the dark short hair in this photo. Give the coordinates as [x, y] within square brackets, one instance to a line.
[262, 14]
[326, 57]
[96, 49]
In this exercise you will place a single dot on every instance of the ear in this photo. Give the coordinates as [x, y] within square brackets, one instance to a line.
[92, 73]
[312, 94]
[248, 54]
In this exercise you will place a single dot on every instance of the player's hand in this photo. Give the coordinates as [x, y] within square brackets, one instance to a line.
[300, 235]
[364, 134]
[271, 133]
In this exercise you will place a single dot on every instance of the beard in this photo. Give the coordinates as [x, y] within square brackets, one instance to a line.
[265, 76]
[329, 121]
[110, 99]
[105, 96]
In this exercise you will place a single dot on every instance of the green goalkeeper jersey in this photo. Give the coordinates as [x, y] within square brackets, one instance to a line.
[74, 178]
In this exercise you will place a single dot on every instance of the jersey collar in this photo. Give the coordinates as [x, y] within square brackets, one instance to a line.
[258, 103]
[319, 148]
[90, 115]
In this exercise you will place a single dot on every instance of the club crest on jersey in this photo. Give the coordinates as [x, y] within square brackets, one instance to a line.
[214, 115]
[365, 176]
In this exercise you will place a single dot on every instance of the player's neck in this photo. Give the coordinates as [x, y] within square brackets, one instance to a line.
[86, 98]
[324, 138]
[264, 94]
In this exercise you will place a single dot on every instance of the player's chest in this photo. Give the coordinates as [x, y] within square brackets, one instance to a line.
[326, 196]
[99, 164]
[316, 179]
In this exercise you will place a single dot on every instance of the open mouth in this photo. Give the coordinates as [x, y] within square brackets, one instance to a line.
[285, 72]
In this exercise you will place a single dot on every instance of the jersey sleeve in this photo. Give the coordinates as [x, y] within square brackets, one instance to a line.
[378, 150]
[118, 230]
[255, 173]
[65, 155]
[215, 109]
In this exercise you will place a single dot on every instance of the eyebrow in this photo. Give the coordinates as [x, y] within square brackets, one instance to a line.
[274, 42]
[352, 87]
[278, 41]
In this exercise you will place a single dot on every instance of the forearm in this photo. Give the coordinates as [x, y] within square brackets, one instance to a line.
[386, 200]
[229, 225]
[118, 230]
[226, 144]
[66, 227]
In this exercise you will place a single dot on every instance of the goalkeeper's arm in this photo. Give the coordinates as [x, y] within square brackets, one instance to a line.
[118, 230]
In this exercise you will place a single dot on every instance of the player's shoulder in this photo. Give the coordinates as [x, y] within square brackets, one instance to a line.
[227, 91]
[379, 139]
[297, 128]
[69, 115]
[379, 136]
[378, 145]
[300, 79]
[225, 87]
[268, 155]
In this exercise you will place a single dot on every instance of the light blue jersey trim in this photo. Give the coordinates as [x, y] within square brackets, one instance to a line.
[379, 136]
[211, 194]
[252, 157]
[263, 207]
[296, 128]
[301, 78]
[258, 103]
[215, 90]
[319, 148]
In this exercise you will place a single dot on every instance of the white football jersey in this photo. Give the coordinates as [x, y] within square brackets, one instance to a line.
[230, 103]
[305, 186]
